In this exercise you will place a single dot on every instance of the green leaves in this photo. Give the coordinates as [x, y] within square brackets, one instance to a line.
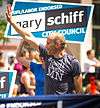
[3, 24]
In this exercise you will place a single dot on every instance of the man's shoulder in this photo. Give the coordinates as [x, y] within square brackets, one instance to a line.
[71, 60]
[70, 57]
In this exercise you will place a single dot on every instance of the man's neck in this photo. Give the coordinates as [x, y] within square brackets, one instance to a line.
[90, 58]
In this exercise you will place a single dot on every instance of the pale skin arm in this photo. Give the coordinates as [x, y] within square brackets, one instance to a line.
[20, 59]
[24, 34]
[26, 80]
[97, 63]
[78, 83]
[33, 81]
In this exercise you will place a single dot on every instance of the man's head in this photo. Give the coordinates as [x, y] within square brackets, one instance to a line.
[91, 54]
[11, 60]
[55, 43]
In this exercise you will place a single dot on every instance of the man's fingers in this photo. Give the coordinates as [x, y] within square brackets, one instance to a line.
[7, 15]
[9, 8]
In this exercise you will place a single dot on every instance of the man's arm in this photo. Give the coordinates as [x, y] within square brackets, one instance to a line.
[24, 34]
[78, 83]
[97, 62]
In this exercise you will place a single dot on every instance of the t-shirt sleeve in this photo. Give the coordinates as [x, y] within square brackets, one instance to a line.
[76, 68]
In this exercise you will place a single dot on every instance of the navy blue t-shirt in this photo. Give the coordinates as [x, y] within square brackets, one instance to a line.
[59, 72]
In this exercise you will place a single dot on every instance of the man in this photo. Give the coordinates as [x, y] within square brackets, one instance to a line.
[62, 70]
[91, 66]
[92, 62]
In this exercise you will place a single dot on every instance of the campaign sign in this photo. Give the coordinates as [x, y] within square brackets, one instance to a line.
[43, 18]
[7, 80]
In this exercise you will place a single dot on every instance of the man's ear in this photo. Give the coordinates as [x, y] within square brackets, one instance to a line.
[62, 45]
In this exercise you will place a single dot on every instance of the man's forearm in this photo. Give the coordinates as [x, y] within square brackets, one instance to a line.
[78, 84]
[25, 34]
[20, 30]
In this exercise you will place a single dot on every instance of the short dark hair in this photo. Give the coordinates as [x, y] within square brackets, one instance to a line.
[89, 52]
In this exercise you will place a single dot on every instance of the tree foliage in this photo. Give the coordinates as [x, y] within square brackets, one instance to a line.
[3, 24]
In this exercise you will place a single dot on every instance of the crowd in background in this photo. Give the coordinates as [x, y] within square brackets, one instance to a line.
[30, 80]
[91, 77]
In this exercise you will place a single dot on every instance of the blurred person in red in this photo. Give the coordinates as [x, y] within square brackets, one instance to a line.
[93, 88]
[24, 54]
[27, 84]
